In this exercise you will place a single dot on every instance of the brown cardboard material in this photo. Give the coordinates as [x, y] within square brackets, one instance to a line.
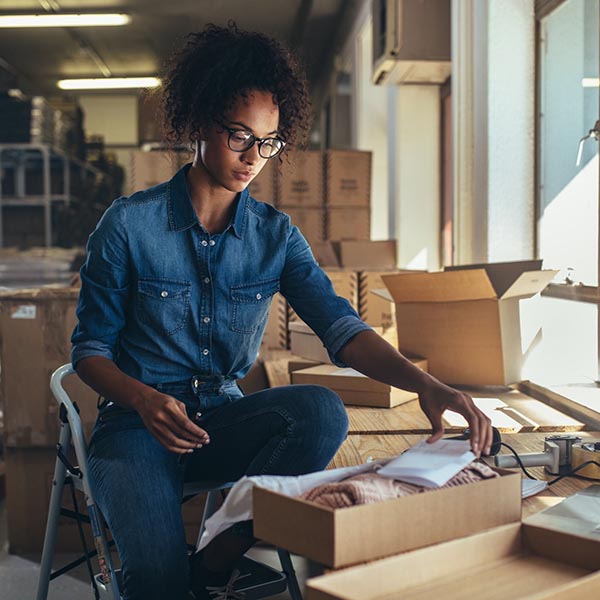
[513, 561]
[355, 388]
[304, 343]
[29, 474]
[301, 181]
[343, 537]
[264, 186]
[372, 308]
[348, 223]
[147, 169]
[348, 177]
[275, 335]
[357, 254]
[310, 221]
[297, 364]
[36, 327]
[467, 321]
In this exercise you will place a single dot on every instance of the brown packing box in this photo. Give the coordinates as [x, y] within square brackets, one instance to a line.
[355, 388]
[348, 178]
[342, 537]
[357, 254]
[29, 474]
[301, 180]
[310, 221]
[275, 336]
[304, 343]
[147, 169]
[516, 562]
[372, 308]
[348, 223]
[297, 364]
[264, 186]
[36, 327]
[466, 322]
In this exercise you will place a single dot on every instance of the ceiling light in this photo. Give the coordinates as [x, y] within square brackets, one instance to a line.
[108, 83]
[590, 82]
[64, 20]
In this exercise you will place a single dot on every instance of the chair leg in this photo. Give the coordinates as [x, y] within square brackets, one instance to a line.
[58, 484]
[288, 568]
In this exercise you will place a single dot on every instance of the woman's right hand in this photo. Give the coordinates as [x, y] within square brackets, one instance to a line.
[166, 418]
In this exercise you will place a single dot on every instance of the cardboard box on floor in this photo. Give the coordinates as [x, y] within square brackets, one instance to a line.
[29, 474]
[355, 388]
[347, 536]
[516, 561]
[357, 254]
[466, 321]
[305, 343]
[348, 223]
[348, 177]
[36, 327]
[301, 181]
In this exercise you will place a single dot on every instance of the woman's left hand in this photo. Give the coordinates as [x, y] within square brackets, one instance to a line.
[438, 397]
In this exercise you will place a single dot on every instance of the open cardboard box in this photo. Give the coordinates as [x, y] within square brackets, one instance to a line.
[347, 536]
[354, 387]
[466, 321]
[515, 562]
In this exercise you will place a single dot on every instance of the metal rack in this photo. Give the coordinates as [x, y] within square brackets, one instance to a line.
[23, 161]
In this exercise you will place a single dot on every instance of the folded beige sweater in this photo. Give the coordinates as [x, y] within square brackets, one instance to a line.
[368, 488]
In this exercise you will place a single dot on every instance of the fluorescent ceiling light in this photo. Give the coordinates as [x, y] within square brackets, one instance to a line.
[64, 20]
[108, 83]
[590, 82]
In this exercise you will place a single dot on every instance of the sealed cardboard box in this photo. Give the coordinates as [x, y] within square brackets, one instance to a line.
[357, 254]
[310, 221]
[347, 536]
[355, 388]
[275, 336]
[467, 321]
[304, 343]
[264, 186]
[348, 223]
[516, 561]
[36, 327]
[348, 178]
[301, 181]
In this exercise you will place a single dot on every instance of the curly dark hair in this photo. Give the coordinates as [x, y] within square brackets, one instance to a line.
[216, 66]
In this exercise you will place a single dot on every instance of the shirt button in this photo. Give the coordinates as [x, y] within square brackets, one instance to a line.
[196, 384]
[204, 243]
[212, 242]
[258, 296]
[206, 319]
[205, 351]
[207, 280]
[164, 294]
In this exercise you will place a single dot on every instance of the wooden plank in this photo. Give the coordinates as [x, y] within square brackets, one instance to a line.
[358, 449]
[510, 411]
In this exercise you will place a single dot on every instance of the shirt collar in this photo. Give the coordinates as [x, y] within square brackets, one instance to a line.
[182, 214]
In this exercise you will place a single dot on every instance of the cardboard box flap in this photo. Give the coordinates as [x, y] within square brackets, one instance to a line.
[447, 286]
[383, 293]
[325, 254]
[529, 284]
[502, 275]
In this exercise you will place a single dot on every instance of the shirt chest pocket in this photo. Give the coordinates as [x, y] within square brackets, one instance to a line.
[251, 303]
[163, 304]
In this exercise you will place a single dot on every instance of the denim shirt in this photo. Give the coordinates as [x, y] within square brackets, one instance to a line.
[167, 301]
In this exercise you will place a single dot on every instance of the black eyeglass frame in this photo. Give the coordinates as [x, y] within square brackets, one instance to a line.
[252, 140]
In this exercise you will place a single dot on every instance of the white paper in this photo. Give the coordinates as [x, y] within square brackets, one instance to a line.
[531, 487]
[25, 311]
[430, 465]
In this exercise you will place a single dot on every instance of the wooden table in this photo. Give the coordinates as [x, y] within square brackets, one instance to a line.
[511, 411]
[358, 449]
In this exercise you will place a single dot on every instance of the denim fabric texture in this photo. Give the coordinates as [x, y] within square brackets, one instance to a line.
[166, 300]
[137, 483]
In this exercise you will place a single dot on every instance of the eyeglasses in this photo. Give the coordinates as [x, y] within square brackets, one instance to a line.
[240, 140]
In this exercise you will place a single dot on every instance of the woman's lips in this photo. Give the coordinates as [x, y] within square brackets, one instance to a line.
[243, 175]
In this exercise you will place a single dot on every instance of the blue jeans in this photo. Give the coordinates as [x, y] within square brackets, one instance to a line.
[138, 484]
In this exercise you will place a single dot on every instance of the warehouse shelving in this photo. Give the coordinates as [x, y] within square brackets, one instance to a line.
[60, 178]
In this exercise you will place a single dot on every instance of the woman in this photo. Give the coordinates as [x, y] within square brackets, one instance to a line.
[175, 293]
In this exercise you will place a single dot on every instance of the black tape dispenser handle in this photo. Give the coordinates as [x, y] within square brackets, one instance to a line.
[496, 440]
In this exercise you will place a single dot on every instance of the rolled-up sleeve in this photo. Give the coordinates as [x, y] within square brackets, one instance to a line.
[311, 294]
[104, 288]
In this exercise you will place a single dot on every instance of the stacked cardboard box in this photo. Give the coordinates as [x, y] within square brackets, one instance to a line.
[300, 193]
[264, 186]
[348, 194]
[147, 169]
